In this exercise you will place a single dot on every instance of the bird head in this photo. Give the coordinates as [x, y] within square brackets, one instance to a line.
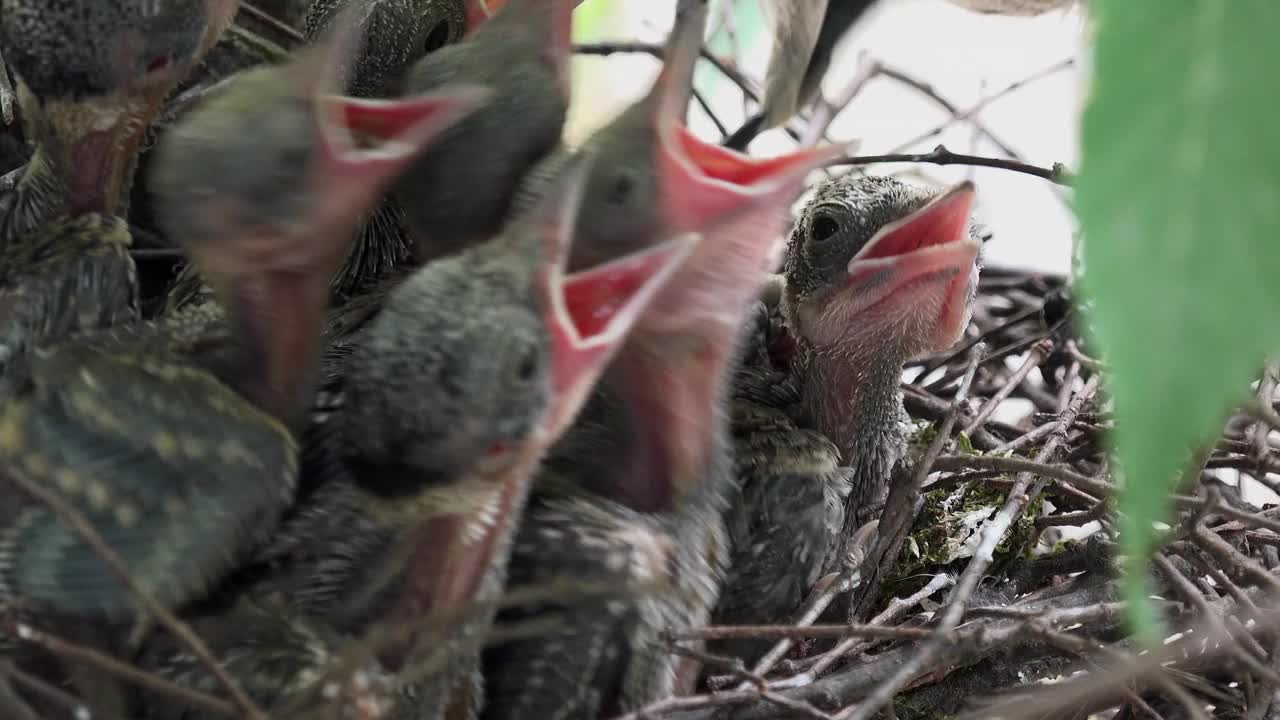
[93, 75]
[478, 363]
[883, 265]
[263, 185]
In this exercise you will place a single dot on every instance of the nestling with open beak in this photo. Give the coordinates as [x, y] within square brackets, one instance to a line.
[877, 272]
[92, 77]
[632, 496]
[443, 421]
[176, 440]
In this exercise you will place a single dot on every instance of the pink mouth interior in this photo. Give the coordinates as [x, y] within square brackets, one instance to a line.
[729, 166]
[594, 297]
[384, 121]
[942, 223]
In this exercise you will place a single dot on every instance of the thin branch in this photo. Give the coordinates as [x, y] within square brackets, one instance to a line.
[992, 532]
[940, 155]
[1039, 352]
[114, 667]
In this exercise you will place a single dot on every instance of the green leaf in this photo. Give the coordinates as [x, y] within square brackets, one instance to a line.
[1179, 198]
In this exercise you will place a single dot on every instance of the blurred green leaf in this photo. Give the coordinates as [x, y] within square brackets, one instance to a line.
[1179, 198]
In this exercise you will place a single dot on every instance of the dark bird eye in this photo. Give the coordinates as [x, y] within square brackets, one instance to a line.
[438, 37]
[823, 228]
[620, 189]
[528, 366]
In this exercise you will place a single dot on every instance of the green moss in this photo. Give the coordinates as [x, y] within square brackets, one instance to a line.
[945, 531]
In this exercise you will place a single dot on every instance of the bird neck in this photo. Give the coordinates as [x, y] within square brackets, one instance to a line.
[674, 388]
[853, 395]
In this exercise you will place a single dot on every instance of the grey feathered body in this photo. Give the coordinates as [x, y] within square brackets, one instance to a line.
[662, 570]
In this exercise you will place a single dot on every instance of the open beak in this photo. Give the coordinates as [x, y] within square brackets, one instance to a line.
[930, 252]
[276, 275]
[702, 183]
[591, 311]
[588, 315]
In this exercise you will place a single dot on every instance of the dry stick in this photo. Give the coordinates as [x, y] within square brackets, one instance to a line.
[973, 110]
[825, 113]
[112, 666]
[952, 109]
[1039, 352]
[735, 667]
[940, 155]
[953, 355]
[604, 49]
[269, 19]
[722, 632]
[160, 613]
[706, 108]
[1012, 348]
[11, 704]
[1026, 438]
[49, 692]
[993, 530]
[972, 642]
[1195, 598]
[900, 506]
[1225, 553]
[1093, 486]
[1066, 696]
[1068, 384]
[896, 608]
[1082, 647]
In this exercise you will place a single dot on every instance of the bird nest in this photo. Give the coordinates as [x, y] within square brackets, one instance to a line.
[992, 589]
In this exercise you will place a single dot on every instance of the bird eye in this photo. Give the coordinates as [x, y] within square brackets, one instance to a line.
[438, 37]
[823, 228]
[620, 188]
[528, 365]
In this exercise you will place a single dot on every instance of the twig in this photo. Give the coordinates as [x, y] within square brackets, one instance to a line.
[1095, 487]
[896, 609]
[992, 532]
[1229, 555]
[112, 666]
[180, 629]
[940, 155]
[10, 703]
[722, 632]
[265, 17]
[1039, 352]
[973, 110]
[952, 109]
[45, 690]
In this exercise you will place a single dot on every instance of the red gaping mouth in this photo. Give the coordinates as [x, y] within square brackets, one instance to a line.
[931, 253]
[719, 163]
[930, 239]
